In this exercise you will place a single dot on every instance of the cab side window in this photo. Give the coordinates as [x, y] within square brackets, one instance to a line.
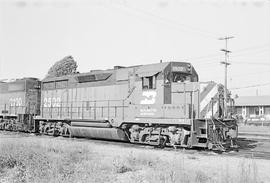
[149, 82]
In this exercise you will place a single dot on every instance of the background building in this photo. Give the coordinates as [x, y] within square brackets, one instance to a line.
[253, 108]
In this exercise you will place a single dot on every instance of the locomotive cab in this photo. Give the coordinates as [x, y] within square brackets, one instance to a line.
[204, 103]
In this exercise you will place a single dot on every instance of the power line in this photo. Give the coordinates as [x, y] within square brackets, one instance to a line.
[204, 57]
[252, 63]
[166, 20]
[253, 48]
[246, 74]
[251, 73]
[193, 29]
[250, 86]
[255, 52]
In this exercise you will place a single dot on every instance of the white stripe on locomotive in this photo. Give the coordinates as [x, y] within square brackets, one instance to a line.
[207, 99]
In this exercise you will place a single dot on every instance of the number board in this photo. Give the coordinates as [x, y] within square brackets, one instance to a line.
[179, 69]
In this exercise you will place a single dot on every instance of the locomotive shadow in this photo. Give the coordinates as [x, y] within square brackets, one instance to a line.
[246, 144]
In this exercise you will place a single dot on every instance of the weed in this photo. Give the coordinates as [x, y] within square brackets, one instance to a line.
[120, 165]
[249, 172]
[201, 177]
[45, 160]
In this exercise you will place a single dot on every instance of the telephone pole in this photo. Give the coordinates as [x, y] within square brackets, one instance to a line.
[226, 63]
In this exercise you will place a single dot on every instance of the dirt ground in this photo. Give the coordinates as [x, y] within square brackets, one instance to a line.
[253, 129]
[254, 132]
[125, 163]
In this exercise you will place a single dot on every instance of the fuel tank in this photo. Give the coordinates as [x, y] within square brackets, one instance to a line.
[91, 124]
[98, 133]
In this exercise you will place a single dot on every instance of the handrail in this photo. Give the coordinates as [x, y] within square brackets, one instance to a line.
[131, 91]
[79, 109]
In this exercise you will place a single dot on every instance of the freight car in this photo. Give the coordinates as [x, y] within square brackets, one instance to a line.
[160, 104]
[19, 103]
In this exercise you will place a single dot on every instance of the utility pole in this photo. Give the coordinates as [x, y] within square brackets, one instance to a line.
[226, 63]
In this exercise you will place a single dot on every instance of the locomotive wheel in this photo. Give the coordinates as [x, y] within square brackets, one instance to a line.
[162, 141]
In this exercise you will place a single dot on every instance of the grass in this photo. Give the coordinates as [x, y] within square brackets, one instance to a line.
[33, 162]
[51, 160]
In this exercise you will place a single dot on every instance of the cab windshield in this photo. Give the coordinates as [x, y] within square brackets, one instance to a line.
[178, 77]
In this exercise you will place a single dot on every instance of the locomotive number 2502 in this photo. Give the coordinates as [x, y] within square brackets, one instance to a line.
[52, 102]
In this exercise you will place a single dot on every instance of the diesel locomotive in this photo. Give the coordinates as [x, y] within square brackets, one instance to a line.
[161, 104]
[19, 103]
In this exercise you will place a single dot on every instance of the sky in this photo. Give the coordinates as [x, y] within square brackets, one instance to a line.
[100, 34]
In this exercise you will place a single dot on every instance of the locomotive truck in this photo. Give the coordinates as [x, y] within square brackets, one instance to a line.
[161, 104]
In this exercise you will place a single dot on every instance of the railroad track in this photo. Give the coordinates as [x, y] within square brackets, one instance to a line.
[260, 136]
[241, 152]
[253, 154]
